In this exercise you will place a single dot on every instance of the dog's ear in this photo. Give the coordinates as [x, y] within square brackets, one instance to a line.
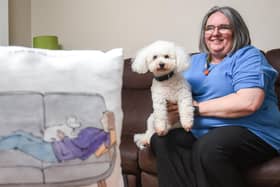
[182, 59]
[139, 64]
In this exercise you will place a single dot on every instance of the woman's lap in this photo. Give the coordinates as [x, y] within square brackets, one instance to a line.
[219, 154]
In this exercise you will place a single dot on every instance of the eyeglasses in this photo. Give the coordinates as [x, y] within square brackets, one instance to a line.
[223, 28]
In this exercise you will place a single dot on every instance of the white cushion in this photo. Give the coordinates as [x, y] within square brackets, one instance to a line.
[93, 71]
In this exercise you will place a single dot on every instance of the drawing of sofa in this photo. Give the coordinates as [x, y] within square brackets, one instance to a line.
[33, 112]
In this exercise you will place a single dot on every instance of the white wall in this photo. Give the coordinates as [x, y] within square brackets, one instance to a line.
[4, 23]
[131, 24]
[20, 22]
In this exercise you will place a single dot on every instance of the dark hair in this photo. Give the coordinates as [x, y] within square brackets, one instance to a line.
[241, 35]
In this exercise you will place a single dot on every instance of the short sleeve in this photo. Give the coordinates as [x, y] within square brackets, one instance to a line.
[247, 71]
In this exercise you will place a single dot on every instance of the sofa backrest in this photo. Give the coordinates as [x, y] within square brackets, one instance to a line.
[273, 57]
[86, 108]
[21, 109]
[34, 112]
[136, 100]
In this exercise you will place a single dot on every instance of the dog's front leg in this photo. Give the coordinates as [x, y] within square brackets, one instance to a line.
[143, 139]
[160, 115]
[186, 110]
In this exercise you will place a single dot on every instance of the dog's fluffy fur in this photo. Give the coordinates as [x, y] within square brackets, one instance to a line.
[161, 58]
[70, 129]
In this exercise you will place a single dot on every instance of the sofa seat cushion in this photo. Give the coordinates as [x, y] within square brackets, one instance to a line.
[93, 168]
[23, 175]
[148, 180]
[147, 161]
[266, 174]
[10, 158]
[27, 169]
[129, 155]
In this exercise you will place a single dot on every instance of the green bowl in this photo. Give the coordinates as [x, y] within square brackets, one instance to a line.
[46, 42]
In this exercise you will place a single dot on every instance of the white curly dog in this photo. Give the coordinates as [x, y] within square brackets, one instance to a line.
[166, 61]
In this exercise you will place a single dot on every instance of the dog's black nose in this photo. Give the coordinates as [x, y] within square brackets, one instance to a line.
[161, 65]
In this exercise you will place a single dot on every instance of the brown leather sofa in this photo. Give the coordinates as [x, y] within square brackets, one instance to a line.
[139, 167]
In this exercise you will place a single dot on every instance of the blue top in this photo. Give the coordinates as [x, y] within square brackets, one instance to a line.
[246, 68]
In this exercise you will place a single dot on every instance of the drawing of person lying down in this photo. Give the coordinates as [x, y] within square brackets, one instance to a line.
[89, 140]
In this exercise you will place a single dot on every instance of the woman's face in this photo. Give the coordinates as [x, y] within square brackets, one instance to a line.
[218, 36]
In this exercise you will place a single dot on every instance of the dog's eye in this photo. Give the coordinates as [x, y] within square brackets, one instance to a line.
[166, 56]
[155, 57]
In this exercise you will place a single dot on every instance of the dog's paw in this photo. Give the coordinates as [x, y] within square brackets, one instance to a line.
[187, 127]
[161, 131]
[141, 140]
[160, 127]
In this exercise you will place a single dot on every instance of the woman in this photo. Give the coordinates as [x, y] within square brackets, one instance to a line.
[89, 140]
[237, 122]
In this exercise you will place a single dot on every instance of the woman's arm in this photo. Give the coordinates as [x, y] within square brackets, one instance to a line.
[242, 103]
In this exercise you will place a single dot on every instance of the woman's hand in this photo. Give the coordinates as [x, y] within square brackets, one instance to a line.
[172, 112]
[60, 134]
